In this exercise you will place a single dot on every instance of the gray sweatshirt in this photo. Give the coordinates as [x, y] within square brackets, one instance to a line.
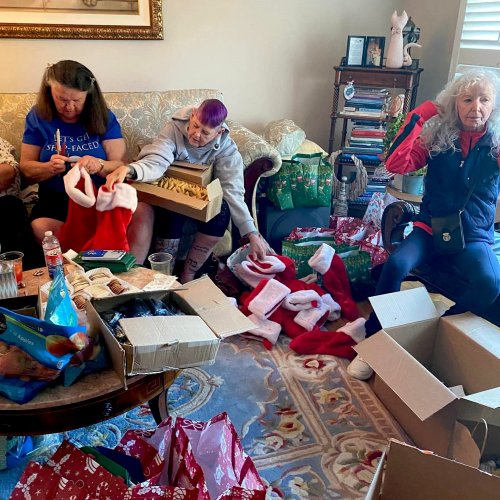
[172, 144]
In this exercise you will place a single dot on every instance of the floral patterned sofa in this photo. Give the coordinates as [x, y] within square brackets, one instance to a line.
[142, 115]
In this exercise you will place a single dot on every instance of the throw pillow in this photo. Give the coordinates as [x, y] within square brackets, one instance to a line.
[284, 135]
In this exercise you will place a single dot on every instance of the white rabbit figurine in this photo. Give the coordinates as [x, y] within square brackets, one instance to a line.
[395, 51]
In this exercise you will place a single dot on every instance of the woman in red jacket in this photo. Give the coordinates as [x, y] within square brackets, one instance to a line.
[458, 138]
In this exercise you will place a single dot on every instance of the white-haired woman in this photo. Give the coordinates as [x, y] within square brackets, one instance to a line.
[458, 138]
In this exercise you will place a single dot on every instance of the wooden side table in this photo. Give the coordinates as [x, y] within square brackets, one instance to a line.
[416, 199]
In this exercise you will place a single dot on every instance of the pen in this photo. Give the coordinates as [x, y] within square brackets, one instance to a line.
[58, 141]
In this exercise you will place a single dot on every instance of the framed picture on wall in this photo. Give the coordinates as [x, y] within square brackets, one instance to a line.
[374, 51]
[355, 50]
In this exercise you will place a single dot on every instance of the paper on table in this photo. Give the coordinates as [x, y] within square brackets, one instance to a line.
[160, 282]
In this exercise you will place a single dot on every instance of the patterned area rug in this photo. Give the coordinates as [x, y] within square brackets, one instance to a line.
[312, 431]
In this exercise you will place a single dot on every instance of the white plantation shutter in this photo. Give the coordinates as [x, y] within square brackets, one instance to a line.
[480, 40]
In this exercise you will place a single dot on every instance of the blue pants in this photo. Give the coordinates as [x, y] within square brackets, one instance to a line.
[477, 264]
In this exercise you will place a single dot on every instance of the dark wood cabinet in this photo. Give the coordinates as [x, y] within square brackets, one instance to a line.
[406, 80]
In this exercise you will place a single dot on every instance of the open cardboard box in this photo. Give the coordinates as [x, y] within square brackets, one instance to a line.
[28, 305]
[432, 371]
[181, 203]
[192, 172]
[405, 472]
[162, 343]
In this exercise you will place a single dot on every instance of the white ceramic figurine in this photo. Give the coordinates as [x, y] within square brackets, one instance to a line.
[395, 51]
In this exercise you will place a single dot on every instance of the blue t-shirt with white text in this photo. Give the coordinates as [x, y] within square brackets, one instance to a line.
[78, 142]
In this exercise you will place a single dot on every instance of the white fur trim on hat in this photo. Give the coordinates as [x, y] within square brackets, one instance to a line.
[302, 299]
[355, 329]
[265, 328]
[322, 259]
[270, 264]
[308, 318]
[85, 199]
[249, 274]
[268, 299]
[122, 196]
[332, 305]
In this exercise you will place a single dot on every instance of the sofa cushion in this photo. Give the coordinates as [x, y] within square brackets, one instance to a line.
[284, 135]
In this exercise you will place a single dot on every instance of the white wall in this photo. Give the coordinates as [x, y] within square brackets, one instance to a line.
[272, 59]
[437, 21]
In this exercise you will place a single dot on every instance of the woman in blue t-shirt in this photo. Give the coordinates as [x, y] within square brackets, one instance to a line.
[70, 119]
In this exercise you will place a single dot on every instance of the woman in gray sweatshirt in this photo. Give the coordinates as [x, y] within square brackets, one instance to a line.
[197, 135]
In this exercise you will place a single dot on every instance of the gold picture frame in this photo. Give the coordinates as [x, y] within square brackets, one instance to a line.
[82, 19]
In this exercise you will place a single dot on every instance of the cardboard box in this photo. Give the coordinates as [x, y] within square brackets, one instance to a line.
[181, 203]
[26, 304]
[431, 372]
[405, 472]
[192, 172]
[170, 342]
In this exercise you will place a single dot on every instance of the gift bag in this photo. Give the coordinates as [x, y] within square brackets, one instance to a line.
[301, 250]
[72, 474]
[306, 173]
[206, 457]
[279, 190]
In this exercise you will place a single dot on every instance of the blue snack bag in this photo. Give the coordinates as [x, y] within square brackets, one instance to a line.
[33, 353]
[59, 308]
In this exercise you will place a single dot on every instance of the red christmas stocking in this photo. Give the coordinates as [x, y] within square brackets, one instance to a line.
[81, 221]
[335, 279]
[114, 213]
[324, 342]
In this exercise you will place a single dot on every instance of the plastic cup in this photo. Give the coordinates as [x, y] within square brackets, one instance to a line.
[16, 258]
[161, 262]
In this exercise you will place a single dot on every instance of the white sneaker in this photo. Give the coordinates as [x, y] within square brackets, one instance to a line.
[359, 369]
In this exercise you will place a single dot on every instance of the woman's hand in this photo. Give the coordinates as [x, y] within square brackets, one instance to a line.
[91, 164]
[118, 175]
[57, 165]
[258, 245]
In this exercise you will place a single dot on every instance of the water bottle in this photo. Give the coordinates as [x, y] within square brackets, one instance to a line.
[53, 254]
[341, 206]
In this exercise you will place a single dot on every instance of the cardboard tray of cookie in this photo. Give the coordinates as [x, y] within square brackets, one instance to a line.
[96, 283]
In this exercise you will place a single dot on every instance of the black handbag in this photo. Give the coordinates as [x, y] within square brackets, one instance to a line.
[447, 230]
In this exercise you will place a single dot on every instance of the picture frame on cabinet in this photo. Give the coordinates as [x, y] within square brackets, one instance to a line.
[355, 53]
[374, 51]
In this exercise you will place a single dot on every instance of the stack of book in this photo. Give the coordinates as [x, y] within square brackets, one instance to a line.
[368, 101]
[366, 142]
[366, 139]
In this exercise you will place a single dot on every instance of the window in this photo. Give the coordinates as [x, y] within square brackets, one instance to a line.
[480, 36]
